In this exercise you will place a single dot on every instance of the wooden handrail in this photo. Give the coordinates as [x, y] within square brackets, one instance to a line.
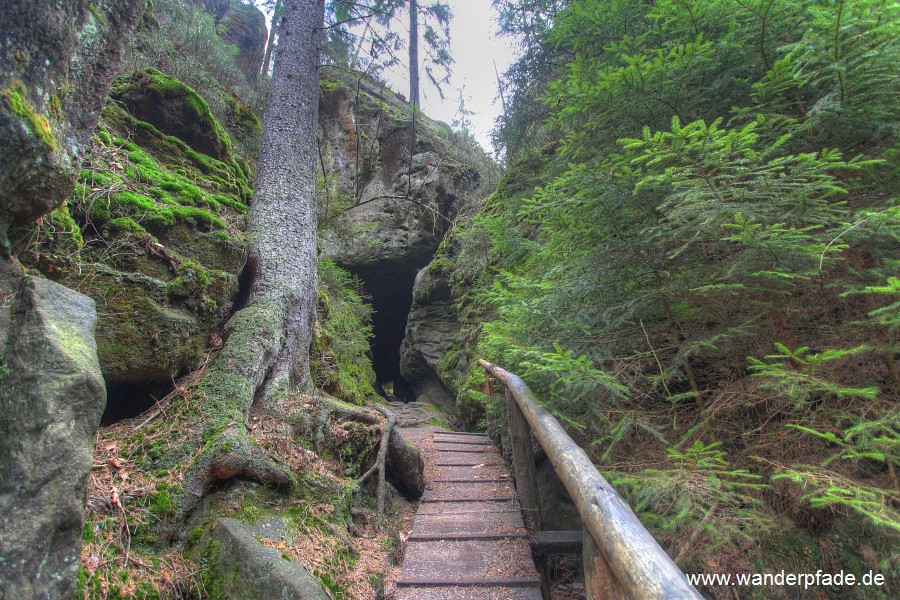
[637, 563]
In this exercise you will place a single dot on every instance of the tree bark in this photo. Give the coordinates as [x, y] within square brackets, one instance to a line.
[414, 53]
[266, 351]
[282, 220]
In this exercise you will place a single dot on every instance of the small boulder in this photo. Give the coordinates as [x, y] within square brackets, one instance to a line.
[245, 568]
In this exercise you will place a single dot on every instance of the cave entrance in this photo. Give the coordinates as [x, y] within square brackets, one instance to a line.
[128, 400]
[390, 290]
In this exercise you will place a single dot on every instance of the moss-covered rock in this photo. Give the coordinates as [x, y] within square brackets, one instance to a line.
[57, 61]
[164, 230]
[173, 108]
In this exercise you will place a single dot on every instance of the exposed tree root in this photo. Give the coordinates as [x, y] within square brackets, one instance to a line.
[230, 454]
[380, 461]
[403, 464]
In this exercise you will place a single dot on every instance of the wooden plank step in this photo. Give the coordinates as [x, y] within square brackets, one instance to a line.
[479, 471]
[471, 507]
[467, 561]
[463, 442]
[490, 489]
[473, 480]
[466, 461]
[428, 498]
[461, 433]
[471, 582]
[481, 450]
[466, 535]
[468, 593]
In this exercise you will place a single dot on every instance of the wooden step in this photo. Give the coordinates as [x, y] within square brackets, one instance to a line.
[427, 498]
[474, 480]
[480, 450]
[467, 562]
[468, 593]
[471, 582]
[463, 442]
[467, 535]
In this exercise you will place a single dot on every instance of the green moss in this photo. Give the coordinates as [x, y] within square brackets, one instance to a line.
[55, 107]
[15, 96]
[191, 280]
[125, 224]
[216, 583]
[330, 86]
[103, 136]
[96, 13]
[162, 504]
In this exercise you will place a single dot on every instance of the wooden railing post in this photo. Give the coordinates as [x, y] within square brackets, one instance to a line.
[599, 581]
[523, 463]
[526, 480]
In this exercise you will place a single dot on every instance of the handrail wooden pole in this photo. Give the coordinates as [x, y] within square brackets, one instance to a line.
[642, 568]
[523, 464]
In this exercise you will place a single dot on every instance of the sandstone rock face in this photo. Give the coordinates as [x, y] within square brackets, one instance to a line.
[397, 183]
[51, 398]
[57, 60]
[242, 24]
[431, 332]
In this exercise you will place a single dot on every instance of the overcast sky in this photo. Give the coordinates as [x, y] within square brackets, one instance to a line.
[475, 48]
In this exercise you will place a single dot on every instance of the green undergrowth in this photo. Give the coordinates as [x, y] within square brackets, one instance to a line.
[136, 494]
[340, 356]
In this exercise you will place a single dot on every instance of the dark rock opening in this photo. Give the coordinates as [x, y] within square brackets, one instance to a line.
[128, 400]
[389, 286]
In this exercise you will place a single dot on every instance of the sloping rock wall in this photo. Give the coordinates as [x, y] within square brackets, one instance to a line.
[57, 60]
[395, 181]
[242, 24]
[431, 333]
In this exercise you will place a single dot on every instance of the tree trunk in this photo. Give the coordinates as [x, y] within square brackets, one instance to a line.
[267, 347]
[414, 53]
[282, 220]
[270, 44]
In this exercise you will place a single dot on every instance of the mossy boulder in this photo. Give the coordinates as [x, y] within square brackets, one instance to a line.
[57, 61]
[174, 109]
[51, 399]
[239, 566]
[139, 337]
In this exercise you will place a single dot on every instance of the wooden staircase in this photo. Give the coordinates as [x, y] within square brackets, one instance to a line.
[468, 539]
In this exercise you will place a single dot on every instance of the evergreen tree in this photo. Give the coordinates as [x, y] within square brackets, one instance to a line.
[698, 183]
